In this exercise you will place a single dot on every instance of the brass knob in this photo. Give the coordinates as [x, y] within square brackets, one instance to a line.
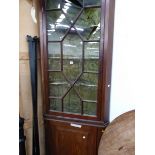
[84, 137]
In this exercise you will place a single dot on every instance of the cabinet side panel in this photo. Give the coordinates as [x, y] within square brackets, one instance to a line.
[107, 62]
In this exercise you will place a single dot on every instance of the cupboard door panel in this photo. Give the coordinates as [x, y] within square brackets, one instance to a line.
[70, 139]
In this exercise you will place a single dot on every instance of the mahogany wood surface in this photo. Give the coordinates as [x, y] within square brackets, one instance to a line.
[64, 139]
[119, 136]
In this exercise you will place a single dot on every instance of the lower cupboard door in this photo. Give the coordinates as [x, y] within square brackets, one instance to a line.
[64, 138]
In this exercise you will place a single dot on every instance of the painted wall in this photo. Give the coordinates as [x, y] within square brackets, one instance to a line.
[123, 94]
[28, 27]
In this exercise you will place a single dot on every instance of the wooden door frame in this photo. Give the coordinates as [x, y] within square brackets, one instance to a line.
[105, 66]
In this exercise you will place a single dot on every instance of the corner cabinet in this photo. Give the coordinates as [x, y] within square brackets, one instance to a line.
[76, 38]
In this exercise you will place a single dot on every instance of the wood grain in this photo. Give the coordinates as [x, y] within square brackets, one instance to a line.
[119, 136]
[64, 139]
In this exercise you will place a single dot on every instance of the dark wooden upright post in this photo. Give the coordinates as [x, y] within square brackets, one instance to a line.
[33, 43]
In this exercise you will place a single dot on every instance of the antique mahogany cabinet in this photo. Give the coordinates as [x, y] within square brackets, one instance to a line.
[76, 38]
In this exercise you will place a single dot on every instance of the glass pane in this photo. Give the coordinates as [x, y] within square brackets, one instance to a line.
[72, 103]
[91, 56]
[57, 25]
[53, 4]
[54, 64]
[89, 108]
[58, 85]
[87, 86]
[72, 55]
[54, 50]
[72, 8]
[58, 89]
[56, 77]
[92, 2]
[88, 24]
[55, 104]
[54, 53]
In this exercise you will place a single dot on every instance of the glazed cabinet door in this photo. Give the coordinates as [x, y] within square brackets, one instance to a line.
[72, 57]
[70, 139]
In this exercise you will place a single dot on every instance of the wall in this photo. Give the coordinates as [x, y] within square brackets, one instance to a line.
[28, 27]
[133, 80]
[123, 94]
